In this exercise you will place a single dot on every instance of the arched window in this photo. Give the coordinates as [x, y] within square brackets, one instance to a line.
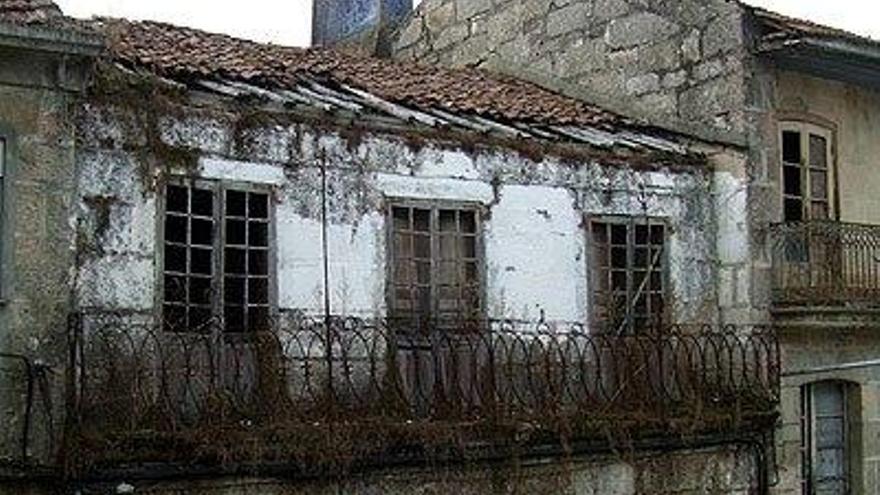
[826, 437]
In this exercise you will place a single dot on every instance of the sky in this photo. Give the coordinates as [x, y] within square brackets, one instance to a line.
[287, 22]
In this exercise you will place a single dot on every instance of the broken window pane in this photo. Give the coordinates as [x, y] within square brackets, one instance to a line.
[235, 203]
[175, 229]
[791, 147]
[258, 234]
[201, 261]
[258, 291]
[236, 261]
[234, 288]
[191, 243]
[200, 290]
[627, 278]
[177, 199]
[175, 259]
[258, 206]
[236, 232]
[258, 262]
[175, 289]
[202, 232]
[202, 202]
[793, 210]
[791, 180]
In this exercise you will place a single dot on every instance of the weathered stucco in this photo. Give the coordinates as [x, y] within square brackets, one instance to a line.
[535, 244]
[37, 98]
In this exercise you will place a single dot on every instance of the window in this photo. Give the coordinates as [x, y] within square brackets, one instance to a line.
[825, 436]
[628, 263]
[436, 262]
[216, 258]
[806, 173]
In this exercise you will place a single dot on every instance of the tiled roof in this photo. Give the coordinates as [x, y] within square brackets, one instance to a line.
[184, 53]
[28, 11]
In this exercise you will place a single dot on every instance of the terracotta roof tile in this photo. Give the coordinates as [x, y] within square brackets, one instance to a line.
[182, 53]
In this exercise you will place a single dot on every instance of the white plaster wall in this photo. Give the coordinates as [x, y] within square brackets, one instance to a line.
[535, 242]
[535, 255]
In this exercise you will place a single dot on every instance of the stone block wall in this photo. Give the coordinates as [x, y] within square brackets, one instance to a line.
[813, 346]
[680, 63]
[37, 96]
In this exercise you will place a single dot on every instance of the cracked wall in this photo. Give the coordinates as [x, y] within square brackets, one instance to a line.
[535, 243]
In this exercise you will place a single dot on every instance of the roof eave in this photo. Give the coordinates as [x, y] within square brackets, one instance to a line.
[837, 59]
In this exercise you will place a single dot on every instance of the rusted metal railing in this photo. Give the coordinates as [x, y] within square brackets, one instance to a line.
[136, 382]
[824, 262]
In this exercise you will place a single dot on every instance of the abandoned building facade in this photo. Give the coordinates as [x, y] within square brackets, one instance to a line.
[254, 265]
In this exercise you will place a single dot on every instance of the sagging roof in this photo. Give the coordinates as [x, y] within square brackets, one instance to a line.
[338, 81]
[356, 85]
[178, 52]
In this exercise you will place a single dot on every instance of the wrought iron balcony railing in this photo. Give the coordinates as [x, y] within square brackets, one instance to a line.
[373, 387]
[824, 262]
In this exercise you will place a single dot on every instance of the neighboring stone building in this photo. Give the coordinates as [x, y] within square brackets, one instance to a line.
[803, 100]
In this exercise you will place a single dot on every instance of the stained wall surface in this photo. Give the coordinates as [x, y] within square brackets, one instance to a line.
[535, 245]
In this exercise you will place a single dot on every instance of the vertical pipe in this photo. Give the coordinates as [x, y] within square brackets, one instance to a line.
[325, 250]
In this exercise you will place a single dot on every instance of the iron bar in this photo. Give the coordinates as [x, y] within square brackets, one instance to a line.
[825, 262]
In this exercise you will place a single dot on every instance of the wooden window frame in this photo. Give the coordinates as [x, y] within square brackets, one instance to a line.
[628, 324]
[434, 206]
[806, 130]
[219, 189]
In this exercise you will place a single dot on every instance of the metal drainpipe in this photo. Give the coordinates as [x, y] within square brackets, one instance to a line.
[325, 250]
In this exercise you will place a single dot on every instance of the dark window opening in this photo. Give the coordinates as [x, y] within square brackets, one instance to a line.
[216, 259]
[806, 181]
[628, 263]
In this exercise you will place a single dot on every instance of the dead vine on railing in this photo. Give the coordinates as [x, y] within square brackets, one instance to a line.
[327, 394]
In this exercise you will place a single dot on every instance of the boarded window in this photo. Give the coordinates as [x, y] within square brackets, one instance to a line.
[216, 258]
[628, 278]
[436, 260]
[806, 173]
[826, 433]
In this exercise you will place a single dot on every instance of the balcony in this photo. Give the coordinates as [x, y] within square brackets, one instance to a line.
[824, 263]
[314, 394]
